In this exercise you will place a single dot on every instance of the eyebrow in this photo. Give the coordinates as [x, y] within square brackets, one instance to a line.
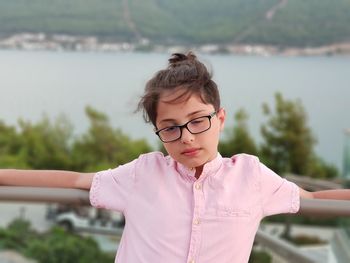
[188, 115]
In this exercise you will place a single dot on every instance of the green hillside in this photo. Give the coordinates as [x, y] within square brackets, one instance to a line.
[276, 22]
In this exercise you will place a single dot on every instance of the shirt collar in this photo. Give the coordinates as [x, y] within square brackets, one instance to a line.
[209, 168]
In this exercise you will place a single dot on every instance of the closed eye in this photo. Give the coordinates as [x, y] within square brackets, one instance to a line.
[197, 121]
[170, 129]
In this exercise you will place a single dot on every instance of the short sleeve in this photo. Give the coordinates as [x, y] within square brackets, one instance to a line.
[111, 188]
[278, 195]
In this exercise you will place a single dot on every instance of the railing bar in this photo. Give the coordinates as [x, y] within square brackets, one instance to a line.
[282, 248]
[324, 207]
[321, 207]
[45, 195]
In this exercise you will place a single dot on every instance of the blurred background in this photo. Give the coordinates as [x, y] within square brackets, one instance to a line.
[72, 73]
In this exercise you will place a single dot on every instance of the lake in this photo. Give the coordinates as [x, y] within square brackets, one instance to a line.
[34, 83]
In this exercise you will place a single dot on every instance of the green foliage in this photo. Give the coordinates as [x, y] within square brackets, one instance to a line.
[259, 257]
[318, 168]
[10, 155]
[41, 145]
[297, 23]
[288, 145]
[62, 16]
[46, 144]
[288, 141]
[55, 246]
[51, 145]
[58, 246]
[16, 235]
[238, 139]
[104, 147]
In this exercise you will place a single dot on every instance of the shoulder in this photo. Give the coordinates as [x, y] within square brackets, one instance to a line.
[243, 170]
[153, 156]
[146, 159]
[153, 159]
[244, 166]
[242, 159]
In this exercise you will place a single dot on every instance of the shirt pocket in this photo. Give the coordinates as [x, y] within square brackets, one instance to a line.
[226, 212]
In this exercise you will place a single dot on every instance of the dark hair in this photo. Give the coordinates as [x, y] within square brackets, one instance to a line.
[184, 72]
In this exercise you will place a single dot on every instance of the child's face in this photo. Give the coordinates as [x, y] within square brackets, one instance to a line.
[191, 150]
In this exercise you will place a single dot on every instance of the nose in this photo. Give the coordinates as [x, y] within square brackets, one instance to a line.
[186, 136]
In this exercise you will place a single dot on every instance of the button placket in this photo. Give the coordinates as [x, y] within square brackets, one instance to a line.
[196, 221]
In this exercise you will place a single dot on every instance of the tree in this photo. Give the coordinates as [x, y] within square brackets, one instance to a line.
[288, 141]
[17, 235]
[58, 246]
[54, 246]
[321, 169]
[46, 144]
[103, 147]
[10, 148]
[238, 139]
[259, 257]
[288, 145]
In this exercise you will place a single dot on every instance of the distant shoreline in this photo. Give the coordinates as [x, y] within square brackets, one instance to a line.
[59, 42]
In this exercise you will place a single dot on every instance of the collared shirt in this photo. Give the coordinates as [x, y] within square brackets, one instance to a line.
[173, 217]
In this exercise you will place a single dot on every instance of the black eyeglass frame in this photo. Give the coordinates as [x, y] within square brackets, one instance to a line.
[211, 115]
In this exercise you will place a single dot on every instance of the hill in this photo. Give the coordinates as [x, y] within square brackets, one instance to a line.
[270, 22]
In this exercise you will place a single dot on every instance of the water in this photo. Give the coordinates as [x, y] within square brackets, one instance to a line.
[36, 83]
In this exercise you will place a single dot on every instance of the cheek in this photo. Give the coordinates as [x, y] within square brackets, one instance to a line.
[169, 147]
[215, 131]
[214, 137]
[210, 138]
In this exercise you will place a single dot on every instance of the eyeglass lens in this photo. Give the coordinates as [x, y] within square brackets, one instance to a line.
[194, 126]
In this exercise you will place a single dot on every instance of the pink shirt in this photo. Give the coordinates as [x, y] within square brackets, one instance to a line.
[173, 217]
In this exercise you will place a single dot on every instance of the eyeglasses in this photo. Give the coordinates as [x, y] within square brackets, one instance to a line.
[194, 126]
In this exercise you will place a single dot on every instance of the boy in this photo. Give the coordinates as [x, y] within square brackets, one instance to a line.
[192, 205]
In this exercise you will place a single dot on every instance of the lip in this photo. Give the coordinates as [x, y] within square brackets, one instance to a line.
[191, 151]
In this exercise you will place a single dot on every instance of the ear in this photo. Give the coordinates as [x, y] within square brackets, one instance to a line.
[221, 114]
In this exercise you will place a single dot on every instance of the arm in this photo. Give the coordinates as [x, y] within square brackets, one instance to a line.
[339, 194]
[46, 178]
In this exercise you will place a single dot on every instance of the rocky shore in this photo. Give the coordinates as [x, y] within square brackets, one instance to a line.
[58, 42]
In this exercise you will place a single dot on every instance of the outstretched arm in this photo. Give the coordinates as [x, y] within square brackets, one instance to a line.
[339, 194]
[46, 178]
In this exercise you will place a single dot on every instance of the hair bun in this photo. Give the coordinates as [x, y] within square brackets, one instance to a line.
[178, 57]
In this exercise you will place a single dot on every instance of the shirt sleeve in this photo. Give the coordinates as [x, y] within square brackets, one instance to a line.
[112, 188]
[278, 195]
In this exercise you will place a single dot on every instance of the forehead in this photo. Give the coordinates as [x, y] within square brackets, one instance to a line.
[171, 110]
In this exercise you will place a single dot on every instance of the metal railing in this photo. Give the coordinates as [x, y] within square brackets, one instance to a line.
[314, 184]
[44, 195]
[283, 248]
[321, 207]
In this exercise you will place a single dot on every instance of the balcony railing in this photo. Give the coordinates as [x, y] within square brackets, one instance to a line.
[81, 197]
[44, 195]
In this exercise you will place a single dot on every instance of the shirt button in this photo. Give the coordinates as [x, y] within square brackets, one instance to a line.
[196, 221]
[198, 186]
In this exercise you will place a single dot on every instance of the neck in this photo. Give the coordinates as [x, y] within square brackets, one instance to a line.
[199, 171]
